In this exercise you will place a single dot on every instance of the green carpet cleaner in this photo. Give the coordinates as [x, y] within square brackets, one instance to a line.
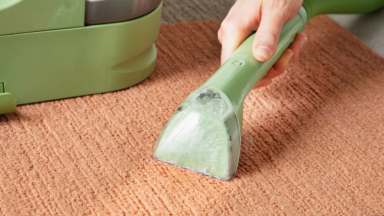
[53, 49]
[204, 134]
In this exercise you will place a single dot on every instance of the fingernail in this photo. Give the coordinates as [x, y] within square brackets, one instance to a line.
[290, 55]
[303, 41]
[262, 53]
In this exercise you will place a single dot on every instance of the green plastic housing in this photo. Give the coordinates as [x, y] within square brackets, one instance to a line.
[7, 103]
[55, 64]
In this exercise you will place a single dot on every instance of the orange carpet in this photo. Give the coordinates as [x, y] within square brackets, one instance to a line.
[312, 144]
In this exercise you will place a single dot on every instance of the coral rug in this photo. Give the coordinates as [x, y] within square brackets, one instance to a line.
[312, 142]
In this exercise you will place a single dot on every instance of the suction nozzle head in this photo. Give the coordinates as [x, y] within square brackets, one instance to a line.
[202, 136]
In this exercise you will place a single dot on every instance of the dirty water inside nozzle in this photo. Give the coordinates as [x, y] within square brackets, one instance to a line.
[203, 135]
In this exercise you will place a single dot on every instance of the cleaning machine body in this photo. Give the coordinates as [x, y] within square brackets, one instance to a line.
[204, 134]
[53, 49]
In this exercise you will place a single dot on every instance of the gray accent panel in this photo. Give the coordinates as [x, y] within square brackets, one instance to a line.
[108, 11]
[193, 10]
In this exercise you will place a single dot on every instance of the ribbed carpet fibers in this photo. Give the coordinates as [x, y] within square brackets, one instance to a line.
[312, 143]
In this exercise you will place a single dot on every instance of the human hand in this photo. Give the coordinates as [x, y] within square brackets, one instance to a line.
[268, 18]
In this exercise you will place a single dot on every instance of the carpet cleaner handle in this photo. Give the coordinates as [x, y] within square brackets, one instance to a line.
[240, 73]
[318, 7]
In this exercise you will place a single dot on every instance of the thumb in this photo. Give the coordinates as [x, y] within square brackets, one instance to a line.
[267, 36]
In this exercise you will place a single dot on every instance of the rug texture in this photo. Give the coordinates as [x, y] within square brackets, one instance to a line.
[312, 142]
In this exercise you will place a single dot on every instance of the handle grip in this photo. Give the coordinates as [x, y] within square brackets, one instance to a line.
[240, 73]
[317, 7]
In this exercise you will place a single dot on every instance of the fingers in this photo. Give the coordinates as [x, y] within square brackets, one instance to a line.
[247, 16]
[296, 46]
[237, 26]
[278, 68]
[263, 82]
[281, 64]
[231, 35]
[268, 33]
[268, 18]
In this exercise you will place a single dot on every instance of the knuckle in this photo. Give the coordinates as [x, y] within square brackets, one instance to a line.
[228, 26]
[281, 4]
[231, 25]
